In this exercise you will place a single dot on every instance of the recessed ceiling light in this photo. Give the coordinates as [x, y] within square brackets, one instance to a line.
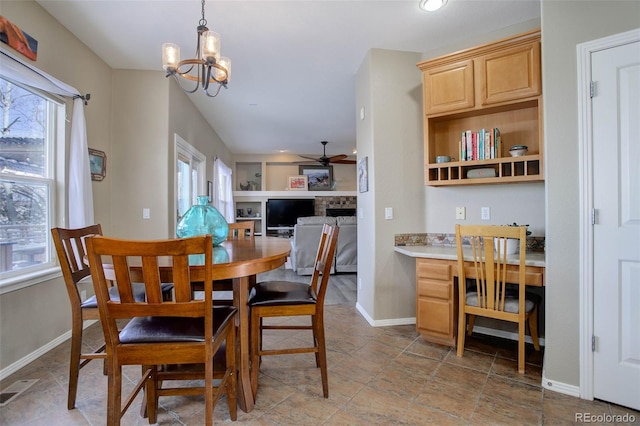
[432, 5]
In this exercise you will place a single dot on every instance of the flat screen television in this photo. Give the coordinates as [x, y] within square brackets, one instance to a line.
[283, 213]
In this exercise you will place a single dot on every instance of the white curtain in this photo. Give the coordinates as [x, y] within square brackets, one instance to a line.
[80, 206]
[223, 190]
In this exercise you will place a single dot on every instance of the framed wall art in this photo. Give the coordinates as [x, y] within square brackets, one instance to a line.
[320, 178]
[97, 164]
[363, 175]
[297, 183]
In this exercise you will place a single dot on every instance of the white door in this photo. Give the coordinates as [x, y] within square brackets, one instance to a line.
[616, 234]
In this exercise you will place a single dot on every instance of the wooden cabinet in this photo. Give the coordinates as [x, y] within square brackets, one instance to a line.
[494, 85]
[436, 301]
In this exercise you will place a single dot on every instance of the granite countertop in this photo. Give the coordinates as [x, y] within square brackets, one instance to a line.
[450, 253]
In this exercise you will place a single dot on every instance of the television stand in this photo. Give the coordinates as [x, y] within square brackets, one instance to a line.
[281, 233]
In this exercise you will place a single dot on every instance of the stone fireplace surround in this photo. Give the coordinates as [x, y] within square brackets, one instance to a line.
[331, 202]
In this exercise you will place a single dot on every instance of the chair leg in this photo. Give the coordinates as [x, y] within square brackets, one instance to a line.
[114, 396]
[472, 321]
[232, 382]
[255, 331]
[533, 327]
[74, 361]
[521, 325]
[462, 324]
[321, 355]
[151, 393]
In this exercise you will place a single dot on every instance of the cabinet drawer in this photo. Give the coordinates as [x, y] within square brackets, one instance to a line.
[426, 269]
[436, 289]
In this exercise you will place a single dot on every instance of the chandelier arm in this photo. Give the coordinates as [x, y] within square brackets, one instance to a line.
[217, 91]
[181, 86]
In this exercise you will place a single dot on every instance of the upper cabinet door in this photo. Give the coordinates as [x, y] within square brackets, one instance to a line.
[448, 87]
[509, 74]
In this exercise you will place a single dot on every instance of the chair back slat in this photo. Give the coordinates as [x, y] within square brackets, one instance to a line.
[490, 264]
[324, 261]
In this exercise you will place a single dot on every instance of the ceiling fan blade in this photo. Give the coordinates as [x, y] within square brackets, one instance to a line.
[335, 158]
[344, 161]
[309, 158]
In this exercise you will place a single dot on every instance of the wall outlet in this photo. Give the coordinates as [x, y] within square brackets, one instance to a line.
[461, 213]
[485, 213]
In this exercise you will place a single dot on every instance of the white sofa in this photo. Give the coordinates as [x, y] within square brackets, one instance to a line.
[306, 237]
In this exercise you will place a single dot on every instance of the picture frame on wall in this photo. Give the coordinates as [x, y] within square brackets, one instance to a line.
[363, 175]
[297, 183]
[320, 178]
[97, 164]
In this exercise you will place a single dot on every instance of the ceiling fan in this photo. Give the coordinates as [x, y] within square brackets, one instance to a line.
[325, 161]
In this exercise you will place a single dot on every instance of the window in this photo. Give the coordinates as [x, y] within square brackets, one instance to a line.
[28, 134]
[190, 164]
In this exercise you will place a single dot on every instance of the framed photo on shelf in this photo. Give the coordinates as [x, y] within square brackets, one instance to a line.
[320, 178]
[297, 183]
[97, 164]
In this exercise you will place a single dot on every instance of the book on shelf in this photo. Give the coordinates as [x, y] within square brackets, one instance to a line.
[481, 145]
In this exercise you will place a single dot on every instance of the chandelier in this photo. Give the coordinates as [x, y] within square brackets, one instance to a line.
[208, 67]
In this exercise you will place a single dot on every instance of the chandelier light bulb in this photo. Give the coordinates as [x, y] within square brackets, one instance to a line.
[210, 43]
[170, 56]
[220, 75]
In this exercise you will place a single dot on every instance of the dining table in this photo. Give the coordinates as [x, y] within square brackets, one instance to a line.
[239, 260]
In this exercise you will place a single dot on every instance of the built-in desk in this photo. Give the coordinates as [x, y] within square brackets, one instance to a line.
[436, 291]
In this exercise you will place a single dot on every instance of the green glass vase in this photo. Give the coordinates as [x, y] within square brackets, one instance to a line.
[202, 219]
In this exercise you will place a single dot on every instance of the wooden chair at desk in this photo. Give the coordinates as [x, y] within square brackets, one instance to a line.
[490, 296]
[184, 331]
[71, 252]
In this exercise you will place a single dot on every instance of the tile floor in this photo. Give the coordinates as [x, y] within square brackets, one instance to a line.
[383, 376]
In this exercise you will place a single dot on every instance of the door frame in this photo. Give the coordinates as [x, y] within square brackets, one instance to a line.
[585, 152]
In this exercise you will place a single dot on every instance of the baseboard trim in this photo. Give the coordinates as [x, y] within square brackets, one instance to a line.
[504, 334]
[560, 387]
[384, 323]
[10, 369]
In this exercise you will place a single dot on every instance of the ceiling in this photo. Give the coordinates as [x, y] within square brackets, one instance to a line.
[293, 62]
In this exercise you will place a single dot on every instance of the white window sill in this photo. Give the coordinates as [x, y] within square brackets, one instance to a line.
[27, 280]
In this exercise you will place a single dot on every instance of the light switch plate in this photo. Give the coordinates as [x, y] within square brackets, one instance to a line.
[485, 213]
[388, 213]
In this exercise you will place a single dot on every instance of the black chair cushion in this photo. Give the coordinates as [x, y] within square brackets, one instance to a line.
[269, 293]
[174, 329]
[138, 295]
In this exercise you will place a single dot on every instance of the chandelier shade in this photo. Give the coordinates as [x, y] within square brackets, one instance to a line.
[207, 68]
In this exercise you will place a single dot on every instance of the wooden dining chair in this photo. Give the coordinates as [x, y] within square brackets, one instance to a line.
[244, 228]
[285, 298]
[159, 332]
[71, 251]
[485, 289]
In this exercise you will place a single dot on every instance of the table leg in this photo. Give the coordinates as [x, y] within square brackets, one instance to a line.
[240, 297]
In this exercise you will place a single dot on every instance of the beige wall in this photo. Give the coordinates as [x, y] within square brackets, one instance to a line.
[33, 317]
[564, 25]
[389, 88]
[132, 116]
